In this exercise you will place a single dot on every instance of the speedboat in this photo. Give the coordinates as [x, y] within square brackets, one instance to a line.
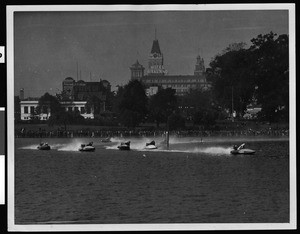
[241, 150]
[44, 146]
[151, 145]
[124, 146]
[87, 147]
[106, 139]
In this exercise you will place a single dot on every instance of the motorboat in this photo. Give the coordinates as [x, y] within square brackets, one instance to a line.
[106, 140]
[43, 146]
[151, 145]
[87, 147]
[241, 150]
[124, 146]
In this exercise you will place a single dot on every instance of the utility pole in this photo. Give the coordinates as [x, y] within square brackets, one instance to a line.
[232, 117]
[77, 70]
[168, 132]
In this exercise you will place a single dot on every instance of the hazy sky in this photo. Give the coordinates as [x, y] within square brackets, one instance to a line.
[48, 45]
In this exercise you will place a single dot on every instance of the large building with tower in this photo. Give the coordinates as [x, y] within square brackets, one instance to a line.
[157, 76]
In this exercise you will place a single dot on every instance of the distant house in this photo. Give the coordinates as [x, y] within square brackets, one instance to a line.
[28, 110]
[252, 111]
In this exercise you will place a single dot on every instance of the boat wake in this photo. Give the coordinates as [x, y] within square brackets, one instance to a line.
[32, 147]
[207, 150]
[139, 144]
[71, 146]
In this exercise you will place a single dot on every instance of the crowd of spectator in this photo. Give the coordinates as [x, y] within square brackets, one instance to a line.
[42, 133]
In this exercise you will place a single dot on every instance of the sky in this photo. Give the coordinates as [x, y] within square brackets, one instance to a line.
[49, 45]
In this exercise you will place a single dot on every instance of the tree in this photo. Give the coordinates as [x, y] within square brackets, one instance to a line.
[58, 116]
[162, 105]
[235, 47]
[260, 73]
[176, 121]
[116, 99]
[93, 103]
[65, 118]
[48, 104]
[272, 75]
[133, 104]
[232, 77]
[203, 108]
[205, 117]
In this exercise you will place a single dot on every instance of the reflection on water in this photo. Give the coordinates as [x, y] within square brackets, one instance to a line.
[193, 182]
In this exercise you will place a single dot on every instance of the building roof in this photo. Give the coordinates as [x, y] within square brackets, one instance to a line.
[31, 99]
[155, 47]
[155, 76]
[137, 65]
[69, 78]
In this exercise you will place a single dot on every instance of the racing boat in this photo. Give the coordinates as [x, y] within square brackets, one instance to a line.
[44, 146]
[124, 146]
[87, 147]
[241, 150]
[151, 145]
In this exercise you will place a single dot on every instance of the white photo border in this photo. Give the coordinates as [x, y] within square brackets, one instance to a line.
[134, 227]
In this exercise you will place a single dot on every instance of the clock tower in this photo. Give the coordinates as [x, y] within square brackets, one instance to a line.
[156, 61]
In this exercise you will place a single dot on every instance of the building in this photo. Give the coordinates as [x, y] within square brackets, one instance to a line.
[74, 97]
[252, 111]
[157, 75]
[28, 109]
[82, 90]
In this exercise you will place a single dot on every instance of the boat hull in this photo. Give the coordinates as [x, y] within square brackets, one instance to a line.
[150, 147]
[87, 149]
[243, 151]
[123, 147]
[44, 147]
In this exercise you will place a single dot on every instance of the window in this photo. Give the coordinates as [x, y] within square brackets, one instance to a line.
[32, 109]
[76, 109]
[82, 111]
[70, 109]
[26, 109]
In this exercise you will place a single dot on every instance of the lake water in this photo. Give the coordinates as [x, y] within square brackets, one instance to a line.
[192, 182]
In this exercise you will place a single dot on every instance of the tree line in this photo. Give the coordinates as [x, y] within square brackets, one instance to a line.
[239, 76]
